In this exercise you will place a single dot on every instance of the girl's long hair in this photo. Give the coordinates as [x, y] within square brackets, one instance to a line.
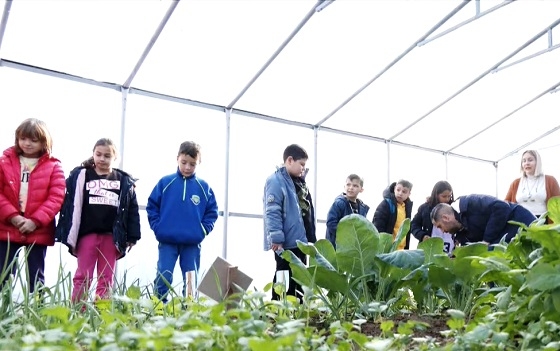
[90, 163]
[439, 188]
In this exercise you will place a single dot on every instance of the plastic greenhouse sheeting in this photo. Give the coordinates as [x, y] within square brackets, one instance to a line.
[425, 89]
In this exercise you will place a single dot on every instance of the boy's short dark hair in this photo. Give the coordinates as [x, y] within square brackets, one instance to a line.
[405, 183]
[353, 176]
[189, 148]
[296, 151]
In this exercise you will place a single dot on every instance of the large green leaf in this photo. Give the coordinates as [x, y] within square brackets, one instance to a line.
[503, 299]
[417, 281]
[330, 279]
[401, 234]
[325, 248]
[544, 277]
[513, 278]
[440, 277]
[357, 242]
[478, 249]
[553, 207]
[299, 270]
[493, 263]
[385, 243]
[419, 273]
[466, 269]
[546, 237]
[404, 259]
[443, 260]
[316, 259]
[431, 247]
[555, 296]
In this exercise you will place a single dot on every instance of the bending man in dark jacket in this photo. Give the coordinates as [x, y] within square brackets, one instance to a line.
[480, 218]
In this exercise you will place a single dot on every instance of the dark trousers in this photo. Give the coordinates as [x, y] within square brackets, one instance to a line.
[35, 258]
[294, 288]
[519, 214]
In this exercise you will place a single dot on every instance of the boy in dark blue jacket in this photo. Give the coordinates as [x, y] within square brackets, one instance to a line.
[345, 204]
[182, 211]
[480, 218]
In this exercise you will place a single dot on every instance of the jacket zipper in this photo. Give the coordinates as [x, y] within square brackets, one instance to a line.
[184, 188]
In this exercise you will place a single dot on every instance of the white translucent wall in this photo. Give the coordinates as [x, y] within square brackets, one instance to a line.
[79, 114]
[209, 51]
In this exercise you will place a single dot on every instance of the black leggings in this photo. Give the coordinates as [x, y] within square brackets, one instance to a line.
[35, 257]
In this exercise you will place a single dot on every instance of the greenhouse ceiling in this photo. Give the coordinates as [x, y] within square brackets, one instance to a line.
[470, 78]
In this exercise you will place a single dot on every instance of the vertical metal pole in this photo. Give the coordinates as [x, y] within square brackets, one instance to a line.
[388, 142]
[497, 181]
[315, 165]
[446, 166]
[124, 99]
[477, 4]
[549, 38]
[226, 193]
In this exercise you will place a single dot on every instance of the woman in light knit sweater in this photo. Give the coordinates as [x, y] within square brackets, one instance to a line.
[533, 189]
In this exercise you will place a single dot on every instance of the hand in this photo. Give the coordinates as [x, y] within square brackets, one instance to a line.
[17, 221]
[426, 237]
[276, 247]
[27, 226]
[129, 246]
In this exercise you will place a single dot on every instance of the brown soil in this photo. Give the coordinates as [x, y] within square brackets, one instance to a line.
[437, 324]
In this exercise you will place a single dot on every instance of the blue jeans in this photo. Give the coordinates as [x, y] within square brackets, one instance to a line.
[189, 260]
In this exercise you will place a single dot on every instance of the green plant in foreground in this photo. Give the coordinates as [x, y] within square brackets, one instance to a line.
[512, 303]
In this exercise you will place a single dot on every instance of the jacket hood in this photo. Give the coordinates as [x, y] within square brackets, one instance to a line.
[282, 168]
[9, 152]
[342, 197]
[389, 193]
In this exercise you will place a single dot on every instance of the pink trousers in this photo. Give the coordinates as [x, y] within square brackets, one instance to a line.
[94, 249]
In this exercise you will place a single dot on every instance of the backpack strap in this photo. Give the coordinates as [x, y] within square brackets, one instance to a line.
[391, 205]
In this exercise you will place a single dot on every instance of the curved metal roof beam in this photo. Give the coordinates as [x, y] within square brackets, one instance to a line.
[317, 7]
[403, 54]
[151, 43]
[547, 91]
[549, 48]
[484, 74]
[4, 21]
[511, 153]
[58, 74]
[459, 25]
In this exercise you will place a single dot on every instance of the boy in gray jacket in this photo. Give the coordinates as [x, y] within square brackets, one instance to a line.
[289, 215]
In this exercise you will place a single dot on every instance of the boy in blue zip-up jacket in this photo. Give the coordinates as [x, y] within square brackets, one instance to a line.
[288, 213]
[182, 211]
[345, 204]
